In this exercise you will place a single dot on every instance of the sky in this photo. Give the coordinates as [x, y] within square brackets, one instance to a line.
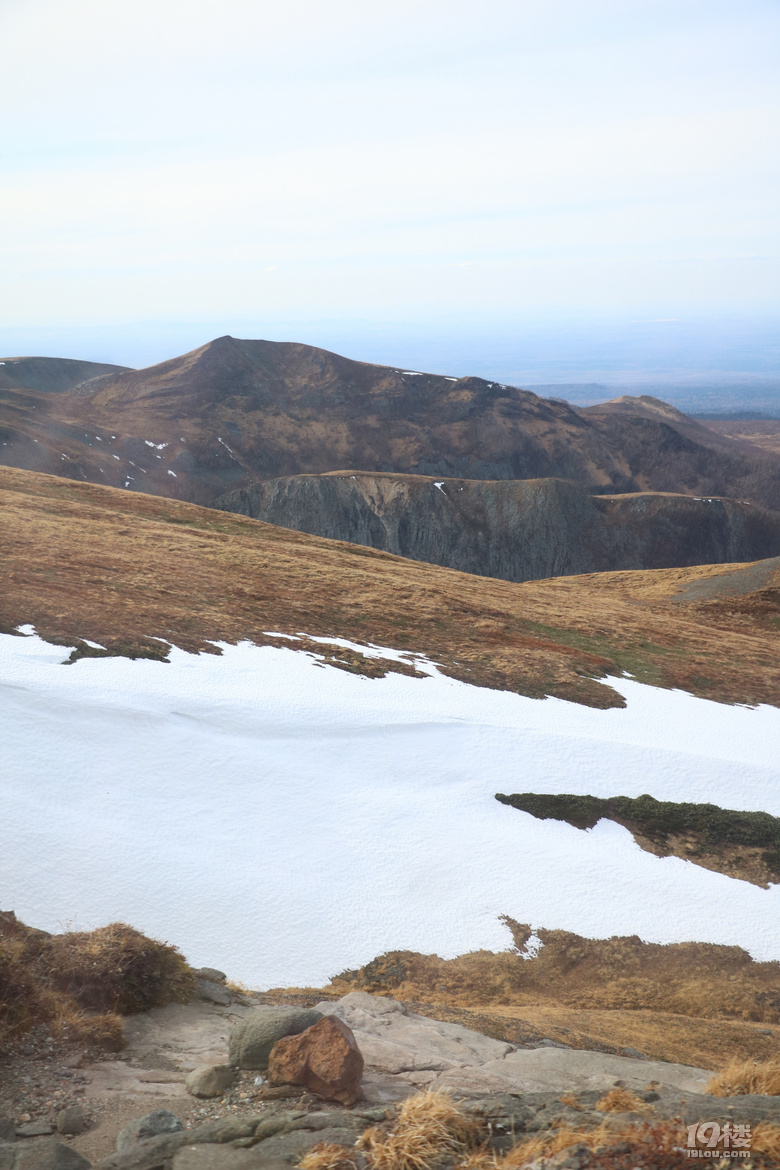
[445, 180]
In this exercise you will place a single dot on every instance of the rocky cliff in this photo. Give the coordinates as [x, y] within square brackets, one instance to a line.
[517, 530]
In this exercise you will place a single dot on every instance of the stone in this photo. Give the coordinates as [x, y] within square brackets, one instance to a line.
[211, 1080]
[213, 992]
[211, 974]
[252, 1038]
[35, 1129]
[160, 1121]
[7, 1155]
[71, 1121]
[7, 1130]
[225, 1158]
[325, 1059]
[288, 1147]
[48, 1155]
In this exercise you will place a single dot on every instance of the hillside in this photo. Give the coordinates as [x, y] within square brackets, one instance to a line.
[88, 562]
[517, 530]
[237, 411]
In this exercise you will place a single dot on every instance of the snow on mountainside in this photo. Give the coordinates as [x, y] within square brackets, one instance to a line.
[288, 819]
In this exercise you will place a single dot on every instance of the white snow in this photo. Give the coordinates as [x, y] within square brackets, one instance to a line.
[173, 473]
[157, 446]
[284, 819]
[440, 486]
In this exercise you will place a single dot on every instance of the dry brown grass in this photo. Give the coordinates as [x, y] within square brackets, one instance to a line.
[328, 1156]
[766, 1140]
[429, 1126]
[430, 1130]
[622, 1101]
[746, 1076]
[80, 983]
[83, 561]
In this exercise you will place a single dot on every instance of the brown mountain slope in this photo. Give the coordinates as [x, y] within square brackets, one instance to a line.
[234, 412]
[121, 568]
[514, 529]
[666, 451]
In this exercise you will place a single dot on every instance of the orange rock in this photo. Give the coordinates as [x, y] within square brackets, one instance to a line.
[324, 1059]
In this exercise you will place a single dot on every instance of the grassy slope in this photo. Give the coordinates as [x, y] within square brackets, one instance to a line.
[84, 561]
[693, 1003]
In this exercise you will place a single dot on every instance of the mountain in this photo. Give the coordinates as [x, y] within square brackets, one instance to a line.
[513, 529]
[50, 375]
[234, 412]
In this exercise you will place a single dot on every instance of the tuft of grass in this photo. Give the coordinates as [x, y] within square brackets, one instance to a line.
[766, 1140]
[621, 1101]
[114, 968]
[428, 1128]
[80, 983]
[327, 1156]
[746, 1076]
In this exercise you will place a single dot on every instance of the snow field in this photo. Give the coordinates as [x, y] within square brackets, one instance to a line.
[284, 820]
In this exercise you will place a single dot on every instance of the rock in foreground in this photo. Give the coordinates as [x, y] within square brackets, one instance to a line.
[252, 1039]
[325, 1059]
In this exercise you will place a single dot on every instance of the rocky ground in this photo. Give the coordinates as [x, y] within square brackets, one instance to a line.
[63, 1104]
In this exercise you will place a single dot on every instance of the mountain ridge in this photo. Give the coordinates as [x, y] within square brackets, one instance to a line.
[233, 412]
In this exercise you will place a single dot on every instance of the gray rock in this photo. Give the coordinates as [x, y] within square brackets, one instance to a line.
[72, 1120]
[211, 1080]
[214, 992]
[225, 1158]
[160, 1121]
[48, 1155]
[252, 1038]
[211, 974]
[289, 1147]
[7, 1129]
[225, 1129]
[7, 1155]
[149, 1154]
[35, 1129]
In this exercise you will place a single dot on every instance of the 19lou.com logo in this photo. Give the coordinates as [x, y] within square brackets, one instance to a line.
[709, 1139]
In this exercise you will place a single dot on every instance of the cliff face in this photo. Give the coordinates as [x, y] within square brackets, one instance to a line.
[517, 530]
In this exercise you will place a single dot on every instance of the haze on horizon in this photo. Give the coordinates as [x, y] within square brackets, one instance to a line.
[538, 190]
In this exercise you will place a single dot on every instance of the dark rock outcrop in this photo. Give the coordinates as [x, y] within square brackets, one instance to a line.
[517, 530]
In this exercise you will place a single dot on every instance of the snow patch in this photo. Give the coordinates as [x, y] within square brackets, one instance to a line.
[281, 769]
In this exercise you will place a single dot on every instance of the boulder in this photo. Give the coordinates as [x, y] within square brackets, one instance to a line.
[210, 973]
[35, 1129]
[252, 1038]
[7, 1130]
[71, 1121]
[160, 1121]
[211, 1080]
[47, 1155]
[213, 992]
[325, 1059]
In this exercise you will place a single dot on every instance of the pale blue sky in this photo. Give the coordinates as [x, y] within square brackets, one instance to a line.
[170, 166]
